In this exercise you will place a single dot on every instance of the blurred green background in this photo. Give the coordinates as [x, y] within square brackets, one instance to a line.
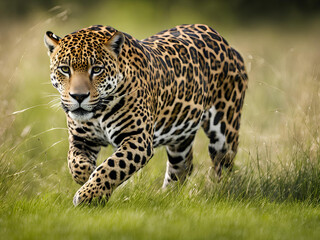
[242, 11]
[274, 191]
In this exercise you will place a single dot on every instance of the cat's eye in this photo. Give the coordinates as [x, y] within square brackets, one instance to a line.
[65, 69]
[96, 70]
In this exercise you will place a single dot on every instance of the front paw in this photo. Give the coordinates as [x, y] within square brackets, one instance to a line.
[89, 193]
[77, 199]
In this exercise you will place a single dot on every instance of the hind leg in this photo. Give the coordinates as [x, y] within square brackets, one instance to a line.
[223, 140]
[179, 164]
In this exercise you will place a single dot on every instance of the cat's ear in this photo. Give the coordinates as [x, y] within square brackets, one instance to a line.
[51, 41]
[115, 43]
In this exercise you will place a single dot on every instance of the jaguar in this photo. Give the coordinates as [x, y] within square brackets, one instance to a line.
[137, 95]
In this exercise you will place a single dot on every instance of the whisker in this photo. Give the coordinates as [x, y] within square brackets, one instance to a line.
[51, 95]
[55, 104]
[54, 100]
[29, 108]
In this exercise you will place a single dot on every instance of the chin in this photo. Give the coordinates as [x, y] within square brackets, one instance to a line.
[80, 115]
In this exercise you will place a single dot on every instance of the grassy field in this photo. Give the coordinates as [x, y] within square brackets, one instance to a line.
[273, 193]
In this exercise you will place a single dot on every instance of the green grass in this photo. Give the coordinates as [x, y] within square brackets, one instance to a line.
[199, 209]
[161, 216]
[273, 192]
[239, 207]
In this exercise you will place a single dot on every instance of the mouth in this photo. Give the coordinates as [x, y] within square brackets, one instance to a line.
[80, 114]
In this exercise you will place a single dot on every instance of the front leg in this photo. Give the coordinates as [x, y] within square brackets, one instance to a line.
[82, 157]
[133, 153]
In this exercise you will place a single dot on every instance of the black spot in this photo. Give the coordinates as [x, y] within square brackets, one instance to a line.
[237, 123]
[107, 184]
[223, 127]
[99, 168]
[129, 156]
[223, 48]
[221, 57]
[175, 33]
[98, 179]
[132, 169]
[111, 162]
[219, 93]
[95, 28]
[119, 154]
[225, 42]
[213, 138]
[227, 94]
[168, 61]
[214, 36]
[80, 130]
[122, 175]
[216, 47]
[149, 150]
[174, 160]
[218, 117]
[137, 158]
[240, 86]
[181, 90]
[203, 27]
[173, 177]
[234, 96]
[194, 55]
[144, 159]
[230, 137]
[212, 151]
[230, 114]
[113, 175]
[122, 164]
[198, 43]
[177, 67]
[132, 145]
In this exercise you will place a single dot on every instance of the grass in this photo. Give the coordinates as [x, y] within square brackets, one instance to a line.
[182, 217]
[273, 193]
[139, 210]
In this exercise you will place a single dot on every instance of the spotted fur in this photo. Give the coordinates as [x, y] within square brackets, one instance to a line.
[138, 95]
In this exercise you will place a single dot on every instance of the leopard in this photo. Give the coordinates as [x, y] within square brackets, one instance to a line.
[136, 95]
